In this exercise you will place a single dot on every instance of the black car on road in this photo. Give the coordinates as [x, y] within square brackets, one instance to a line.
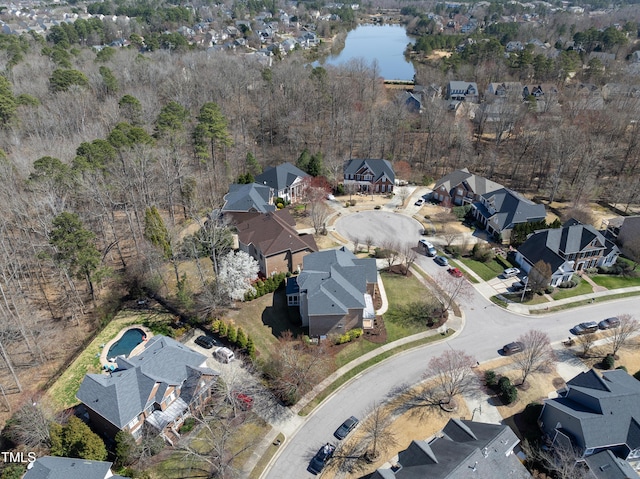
[321, 458]
[346, 427]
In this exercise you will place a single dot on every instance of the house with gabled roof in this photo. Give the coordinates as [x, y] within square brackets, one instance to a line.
[335, 292]
[462, 450]
[273, 241]
[285, 181]
[462, 91]
[248, 198]
[157, 388]
[52, 467]
[572, 248]
[499, 211]
[596, 413]
[605, 465]
[461, 187]
[369, 176]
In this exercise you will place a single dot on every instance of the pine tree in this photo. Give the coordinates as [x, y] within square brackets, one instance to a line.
[232, 334]
[251, 348]
[241, 339]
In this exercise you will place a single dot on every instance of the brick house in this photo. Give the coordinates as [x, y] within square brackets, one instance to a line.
[369, 176]
[461, 187]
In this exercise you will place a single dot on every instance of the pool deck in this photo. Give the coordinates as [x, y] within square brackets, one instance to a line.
[103, 355]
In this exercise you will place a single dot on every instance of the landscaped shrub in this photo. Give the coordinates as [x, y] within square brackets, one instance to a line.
[510, 395]
[269, 285]
[482, 252]
[355, 333]
[343, 338]
[531, 413]
[490, 379]
[572, 283]
[381, 253]
[251, 348]
[346, 204]
[339, 189]
[215, 326]
[222, 329]
[352, 202]
[349, 336]
[504, 383]
[232, 334]
[187, 425]
[241, 338]
[624, 368]
[608, 362]
[548, 289]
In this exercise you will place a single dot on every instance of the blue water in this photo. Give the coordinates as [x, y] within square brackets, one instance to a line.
[384, 44]
[126, 343]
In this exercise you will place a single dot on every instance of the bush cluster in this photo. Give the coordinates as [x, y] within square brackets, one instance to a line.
[507, 391]
[349, 336]
[187, 425]
[235, 336]
[572, 283]
[608, 362]
[266, 286]
[349, 203]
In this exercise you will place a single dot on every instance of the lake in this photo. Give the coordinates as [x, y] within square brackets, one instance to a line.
[384, 43]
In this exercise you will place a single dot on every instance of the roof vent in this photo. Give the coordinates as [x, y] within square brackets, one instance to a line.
[605, 466]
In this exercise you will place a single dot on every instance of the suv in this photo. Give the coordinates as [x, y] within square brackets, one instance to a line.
[321, 458]
[512, 348]
[430, 250]
[510, 272]
[609, 323]
[205, 341]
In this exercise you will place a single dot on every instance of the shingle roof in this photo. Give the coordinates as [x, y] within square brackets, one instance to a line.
[465, 449]
[598, 411]
[273, 233]
[511, 208]
[51, 467]
[251, 197]
[535, 249]
[379, 168]
[478, 184]
[281, 176]
[605, 465]
[335, 281]
[120, 396]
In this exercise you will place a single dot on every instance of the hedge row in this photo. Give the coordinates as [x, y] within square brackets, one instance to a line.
[266, 286]
[235, 336]
[349, 336]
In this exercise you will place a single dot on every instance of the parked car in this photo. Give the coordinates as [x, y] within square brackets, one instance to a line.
[321, 458]
[346, 427]
[420, 202]
[441, 260]
[205, 341]
[585, 328]
[520, 285]
[510, 272]
[609, 323]
[428, 248]
[512, 348]
[224, 355]
[455, 272]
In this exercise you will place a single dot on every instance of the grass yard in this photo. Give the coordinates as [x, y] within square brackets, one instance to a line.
[487, 270]
[582, 288]
[63, 392]
[610, 281]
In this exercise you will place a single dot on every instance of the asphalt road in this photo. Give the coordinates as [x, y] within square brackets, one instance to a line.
[487, 329]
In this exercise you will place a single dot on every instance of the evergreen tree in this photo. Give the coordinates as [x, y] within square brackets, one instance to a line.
[303, 160]
[241, 338]
[75, 439]
[232, 334]
[156, 232]
[251, 348]
[252, 165]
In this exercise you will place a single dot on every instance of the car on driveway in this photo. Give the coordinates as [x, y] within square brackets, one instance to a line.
[455, 272]
[346, 427]
[206, 342]
[520, 285]
[321, 458]
[512, 348]
[510, 272]
[609, 323]
[585, 328]
[441, 260]
[420, 202]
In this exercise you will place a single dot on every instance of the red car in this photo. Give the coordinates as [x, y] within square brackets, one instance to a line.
[244, 401]
[455, 272]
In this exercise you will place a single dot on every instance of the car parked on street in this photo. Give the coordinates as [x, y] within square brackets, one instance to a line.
[585, 328]
[512, 348]
[455, 272]
[441, 260]
[510, 272]
[206, 342]
[609, 323]
[346, 427]
[427, 247]
[321, 458]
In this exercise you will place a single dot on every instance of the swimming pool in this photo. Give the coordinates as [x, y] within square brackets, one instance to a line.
[129, 340]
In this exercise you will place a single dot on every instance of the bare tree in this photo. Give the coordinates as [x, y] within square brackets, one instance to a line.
[539, 276]
[356, 244]
[369, 242]
[376, 431]
[318, 212]
[562, 459]
[453, 374]
[403, 193]
[586, 342]
[619, 336]
[452, 289]
[408, 256]
[536, 353]
[30, 426]
[391, 250]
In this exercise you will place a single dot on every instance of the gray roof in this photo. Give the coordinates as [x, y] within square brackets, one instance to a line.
[458, 85]
[122, 395]
[477, 184]
[251, 197]
[379, 168]
[605, 465]
[510, 209]
[597, 411]
[335, 281]
[281, 176]
[465, 449]
[51, 467]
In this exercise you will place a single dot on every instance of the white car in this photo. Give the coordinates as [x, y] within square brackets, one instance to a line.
[510, 272]
[420, 202]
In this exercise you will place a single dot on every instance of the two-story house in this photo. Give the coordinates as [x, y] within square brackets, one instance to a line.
[596, 413]
[462, 91]
[369, 176]
[334, 291]
[572, 248]
[499, 211]
[285, 181]
[248, 198]
[159, 388]
[461, 187]
[52, 467]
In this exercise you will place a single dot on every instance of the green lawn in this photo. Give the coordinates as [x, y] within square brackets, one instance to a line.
[582, 288]
[487, 270]
[63, 391]
[610, 281]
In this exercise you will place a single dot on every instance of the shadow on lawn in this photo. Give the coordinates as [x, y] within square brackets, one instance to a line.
[280, 317]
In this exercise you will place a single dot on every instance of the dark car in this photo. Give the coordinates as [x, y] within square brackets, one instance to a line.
[205, 341]
[512, 348]
[441, 260]
[609, 323]
[321, 458]
[345, 428]
[585, 328]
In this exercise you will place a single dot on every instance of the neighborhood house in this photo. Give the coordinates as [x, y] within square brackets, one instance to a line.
[285, 181]
[52, 467]
[461, 187]
[369, 176]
